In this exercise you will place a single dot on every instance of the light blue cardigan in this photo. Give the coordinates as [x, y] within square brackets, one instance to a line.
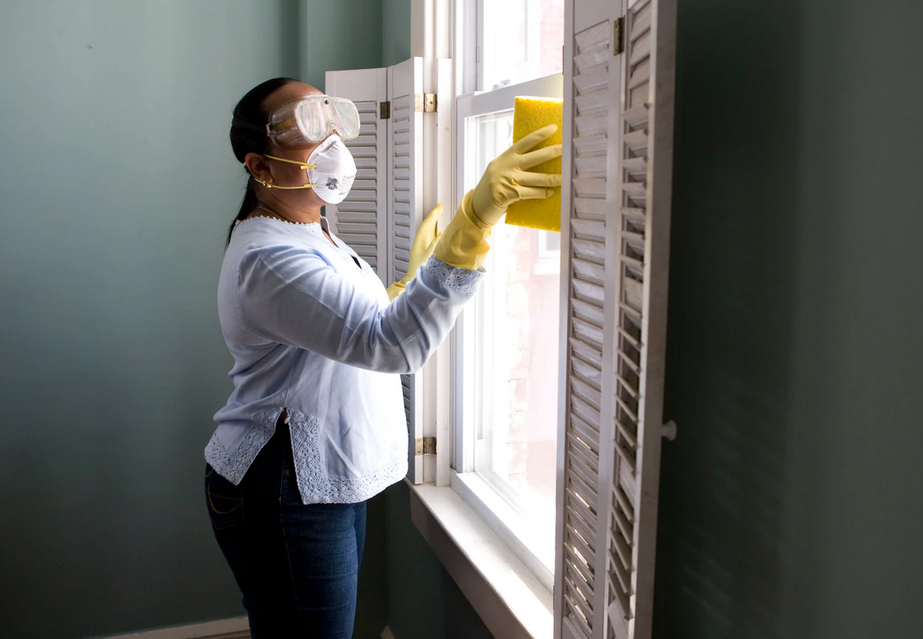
[312, 331]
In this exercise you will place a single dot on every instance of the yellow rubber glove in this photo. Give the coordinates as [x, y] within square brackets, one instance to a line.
[424, 242]
[505, 181]
[464, 242]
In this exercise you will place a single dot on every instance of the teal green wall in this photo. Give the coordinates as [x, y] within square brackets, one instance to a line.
[424, 602]
[395, 38]
[117, 187]
[339, 35]
[790, 503]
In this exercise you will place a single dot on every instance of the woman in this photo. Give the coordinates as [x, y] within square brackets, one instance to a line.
[315, 425]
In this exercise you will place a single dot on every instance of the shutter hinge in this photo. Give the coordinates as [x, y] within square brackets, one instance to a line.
[385, 110]
[425, 103]
[425, 446]
[618, 36]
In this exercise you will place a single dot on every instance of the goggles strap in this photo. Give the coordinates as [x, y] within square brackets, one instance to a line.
[246, 125]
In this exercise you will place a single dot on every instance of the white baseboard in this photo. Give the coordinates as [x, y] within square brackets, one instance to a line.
[386, 633]
[235, 628]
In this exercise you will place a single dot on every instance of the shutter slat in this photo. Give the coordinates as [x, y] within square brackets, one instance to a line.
[626, 433]
[641, 23]
[354, 238]
[626, 457]
[588, 332]
[591, 167]
[581, 623]
[582, 450]
[627, 385]
[593, 145]
[585, 490]
[588, 434]
[588, 312]
[584, 527]
[579, 601]
[625, 408]
[636, 140]
[580, 545]
[624, 503]
[580, 509]
[636, 115]
[585, 392]
[576, 565]
[589, 187]
[589, 291]
[592, 125]
[592, 208]
[586, 351]
[621, 548]
[593, 81]
[589, 248]
[587, 370]
[356, 228]
[590, 228]
[621, 573]
[623, 525]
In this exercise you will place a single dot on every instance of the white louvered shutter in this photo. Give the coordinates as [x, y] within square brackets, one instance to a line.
[361, 219]
[405, 212]
[615, 236]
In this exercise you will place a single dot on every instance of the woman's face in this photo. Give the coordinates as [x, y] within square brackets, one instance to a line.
[283, 173]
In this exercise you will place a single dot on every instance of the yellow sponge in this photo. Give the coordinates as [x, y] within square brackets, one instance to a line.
[531, 114]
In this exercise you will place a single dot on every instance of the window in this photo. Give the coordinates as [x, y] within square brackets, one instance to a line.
[517, 313]
[520, 40]
[509, 353]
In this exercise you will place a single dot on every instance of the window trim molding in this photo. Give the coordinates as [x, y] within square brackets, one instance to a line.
[507, 524]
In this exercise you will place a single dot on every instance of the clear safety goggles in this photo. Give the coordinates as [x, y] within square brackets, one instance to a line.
[312, 120]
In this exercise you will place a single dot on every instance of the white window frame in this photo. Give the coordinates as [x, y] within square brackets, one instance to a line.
[482, 497]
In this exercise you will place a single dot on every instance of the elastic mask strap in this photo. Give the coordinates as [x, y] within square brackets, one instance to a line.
[301, 165]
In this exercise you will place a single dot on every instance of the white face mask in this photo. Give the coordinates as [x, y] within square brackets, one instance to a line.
[335, 172]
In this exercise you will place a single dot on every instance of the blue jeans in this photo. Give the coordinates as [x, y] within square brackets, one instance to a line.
[297, 565]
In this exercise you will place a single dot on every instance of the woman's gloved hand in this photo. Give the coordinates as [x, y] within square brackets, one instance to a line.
[424, 242]
[505, 181]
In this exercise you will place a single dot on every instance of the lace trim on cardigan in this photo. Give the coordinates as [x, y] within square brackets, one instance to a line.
[461, 280]
[314, 227]
[313, 484]
[233, 468]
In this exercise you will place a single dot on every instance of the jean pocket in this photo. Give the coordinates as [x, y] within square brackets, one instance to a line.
[225, 500]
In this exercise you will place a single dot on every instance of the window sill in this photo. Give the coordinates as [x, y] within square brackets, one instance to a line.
[507, 596]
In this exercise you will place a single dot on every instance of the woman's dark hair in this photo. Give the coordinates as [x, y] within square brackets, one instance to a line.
[248, 136]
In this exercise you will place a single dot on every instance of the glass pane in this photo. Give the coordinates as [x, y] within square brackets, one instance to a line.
[517, 332]
[523, 40]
